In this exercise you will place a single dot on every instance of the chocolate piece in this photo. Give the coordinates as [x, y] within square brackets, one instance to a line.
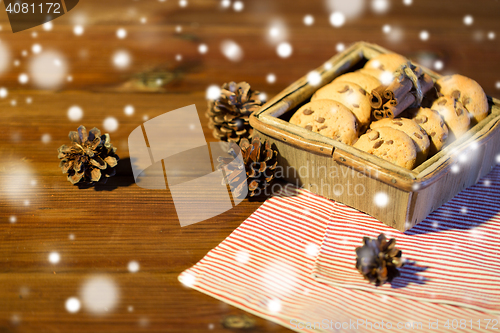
[421, 120]
[309, 127]
[378, 144]
[373, 135]
[320, 120]
[344, 90]
[308, 112]
[456, 94]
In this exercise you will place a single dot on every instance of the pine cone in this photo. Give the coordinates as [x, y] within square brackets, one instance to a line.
[260, 165]
[378, 259]
[91, 157]
[229, 115]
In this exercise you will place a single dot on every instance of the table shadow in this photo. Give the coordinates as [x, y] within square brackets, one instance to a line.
[409, 274]
[461, 214]
[124, 177]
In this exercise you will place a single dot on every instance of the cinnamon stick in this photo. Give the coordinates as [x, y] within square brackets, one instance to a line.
[394, 111]
[377, 97]
[378, 114]
[426, 83]
[418, 71]
[398, 89]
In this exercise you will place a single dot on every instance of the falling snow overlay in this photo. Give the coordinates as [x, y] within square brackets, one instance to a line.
[105, 258]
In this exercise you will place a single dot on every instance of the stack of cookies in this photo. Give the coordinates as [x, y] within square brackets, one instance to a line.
[342, 111]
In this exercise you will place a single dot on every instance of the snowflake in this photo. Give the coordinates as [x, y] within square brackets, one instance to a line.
[242, 257]
[238, 6]
[23, 78]
[72, 305]
[54, 257]
[337, 19]
[312, 250]
[46, 138]
[121, 59]
[424, 35]
[99, 294]
[231, 50]
[380, 6]
[110, 124]
[36, 48]
[203, 48]
[129, 110]
[78, 30]
[284, 50]
[75, 113]
[381, 199]
[188, 280]
[314, 78]
[213, 92]
[133, 267]
[308, 20]
[468, 20]
[121, 33]
[274, 305]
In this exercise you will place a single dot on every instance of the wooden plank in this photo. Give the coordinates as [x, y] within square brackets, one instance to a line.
[122, 222]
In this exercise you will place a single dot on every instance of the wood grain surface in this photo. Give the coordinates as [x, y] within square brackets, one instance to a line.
[98, 231]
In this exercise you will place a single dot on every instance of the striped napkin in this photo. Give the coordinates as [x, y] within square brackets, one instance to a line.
[265, 267]
[452, 256]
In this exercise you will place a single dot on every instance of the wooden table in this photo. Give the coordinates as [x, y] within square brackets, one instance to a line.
[97, 232]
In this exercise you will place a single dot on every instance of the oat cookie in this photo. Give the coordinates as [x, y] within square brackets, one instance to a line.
[350, 95]
[390, 62]
[365, 81]
[328, 118]
[389, 144]
[468, 92]
[456, 117]
[433, 124]
[377, 74]
[413, 130]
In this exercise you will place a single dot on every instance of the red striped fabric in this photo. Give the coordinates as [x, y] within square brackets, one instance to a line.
[452, 256]
[265, 267]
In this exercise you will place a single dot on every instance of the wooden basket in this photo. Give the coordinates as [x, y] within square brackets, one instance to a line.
[396, 196]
